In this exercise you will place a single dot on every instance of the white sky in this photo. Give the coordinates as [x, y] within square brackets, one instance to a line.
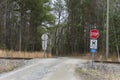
[63, 14]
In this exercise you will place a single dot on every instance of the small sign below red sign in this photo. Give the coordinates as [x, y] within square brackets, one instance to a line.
[94, 34]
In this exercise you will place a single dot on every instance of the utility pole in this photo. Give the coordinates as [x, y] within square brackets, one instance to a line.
[107, 31]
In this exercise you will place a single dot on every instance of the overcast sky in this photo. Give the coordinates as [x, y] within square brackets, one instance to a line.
[63, 14]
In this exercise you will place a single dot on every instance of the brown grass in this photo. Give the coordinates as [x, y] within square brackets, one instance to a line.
[16, 54]
[102, 57]
[97, 56]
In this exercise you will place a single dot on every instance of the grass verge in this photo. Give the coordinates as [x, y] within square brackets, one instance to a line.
[89, 74]
[16, 54]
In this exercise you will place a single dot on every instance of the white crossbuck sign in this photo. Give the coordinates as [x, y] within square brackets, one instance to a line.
[93, 43]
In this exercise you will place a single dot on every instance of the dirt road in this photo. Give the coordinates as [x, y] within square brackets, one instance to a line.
[45, 69]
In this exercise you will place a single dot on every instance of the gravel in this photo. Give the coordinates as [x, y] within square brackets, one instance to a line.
[7, 65]
[99, 71]
[102, 67]
[34, 69]
[17, 62]
[12, 62]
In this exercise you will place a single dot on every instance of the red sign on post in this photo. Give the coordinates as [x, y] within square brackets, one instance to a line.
[94, 34]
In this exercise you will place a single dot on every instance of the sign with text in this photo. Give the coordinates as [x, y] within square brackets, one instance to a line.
[44, 38]
[44, 45]
[94, 34]
[93, 50]
[93, 44]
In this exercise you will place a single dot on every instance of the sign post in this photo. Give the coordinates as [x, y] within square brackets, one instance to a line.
[94, 34]
[93, 51]
[44, 38]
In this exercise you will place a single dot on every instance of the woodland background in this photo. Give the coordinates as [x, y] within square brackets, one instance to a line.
[67, 23]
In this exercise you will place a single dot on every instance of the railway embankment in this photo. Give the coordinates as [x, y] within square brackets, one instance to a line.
[7, 65]
[98, 71]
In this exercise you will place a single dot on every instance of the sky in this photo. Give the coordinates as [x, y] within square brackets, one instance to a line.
[63, 14]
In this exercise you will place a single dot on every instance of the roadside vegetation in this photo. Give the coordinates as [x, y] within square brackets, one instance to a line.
[17, 54]
[99, 71]
[88, 74]
[67, 23]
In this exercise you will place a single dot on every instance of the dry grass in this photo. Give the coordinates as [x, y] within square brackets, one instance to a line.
[102, 57]
[98, 56]
[16, 54]
[88, 74]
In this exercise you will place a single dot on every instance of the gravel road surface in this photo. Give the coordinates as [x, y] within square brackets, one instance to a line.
[45, 69]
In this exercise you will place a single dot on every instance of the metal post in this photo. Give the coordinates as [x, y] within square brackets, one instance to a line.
[107, 31]
[44, 53]
[92, 59]
[44, 38]
[44, 49]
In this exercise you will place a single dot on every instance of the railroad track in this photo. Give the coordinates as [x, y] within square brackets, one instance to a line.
[12, 58]
[110, 62]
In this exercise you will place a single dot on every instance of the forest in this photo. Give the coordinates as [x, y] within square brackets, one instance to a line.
[67, 23]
